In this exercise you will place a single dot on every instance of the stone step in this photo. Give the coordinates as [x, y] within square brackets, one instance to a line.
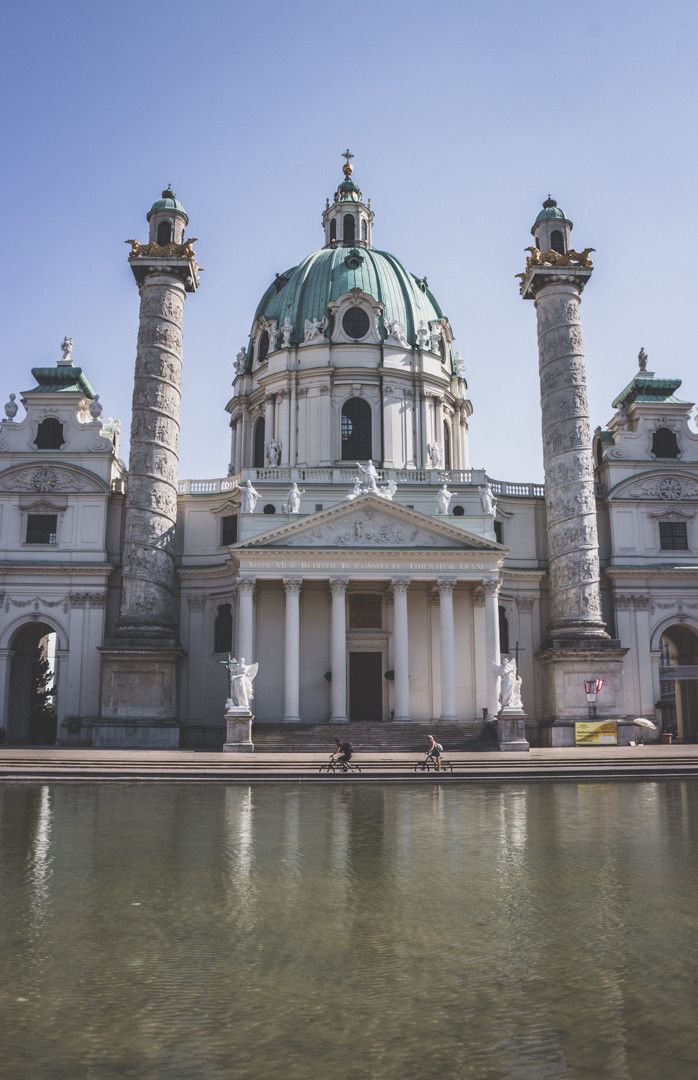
[287, 738]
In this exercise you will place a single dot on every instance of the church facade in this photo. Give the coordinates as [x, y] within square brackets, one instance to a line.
[350, 548]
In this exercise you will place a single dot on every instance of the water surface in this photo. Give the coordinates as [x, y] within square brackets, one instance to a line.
[474, 932]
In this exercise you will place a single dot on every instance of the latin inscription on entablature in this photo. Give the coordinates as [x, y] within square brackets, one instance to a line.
[380, 565]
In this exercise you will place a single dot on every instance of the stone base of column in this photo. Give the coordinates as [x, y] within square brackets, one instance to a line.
[339, 719]
[138, 697]
[564, 669]
[238, 735]
[511, 730]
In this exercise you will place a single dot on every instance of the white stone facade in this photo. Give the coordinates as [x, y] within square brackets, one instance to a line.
[389, 605]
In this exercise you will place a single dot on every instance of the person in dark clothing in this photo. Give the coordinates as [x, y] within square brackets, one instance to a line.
[342, 755]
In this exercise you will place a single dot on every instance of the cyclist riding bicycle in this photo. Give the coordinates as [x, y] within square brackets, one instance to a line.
[434, 752]
[342, 755]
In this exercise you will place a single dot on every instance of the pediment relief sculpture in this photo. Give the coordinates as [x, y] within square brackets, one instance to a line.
[47, 478]
[368, 528]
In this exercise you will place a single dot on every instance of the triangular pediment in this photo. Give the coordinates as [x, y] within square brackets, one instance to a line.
[370, 522]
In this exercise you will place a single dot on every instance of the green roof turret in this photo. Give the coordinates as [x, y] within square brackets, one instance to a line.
[348, 219]
[550, 212]
[168, 201]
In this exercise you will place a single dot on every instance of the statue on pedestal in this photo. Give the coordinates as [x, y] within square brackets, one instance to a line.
[293, 499]
[443, 499]
[240, 678]
[510, 686]
[250, 495]
[487, 502]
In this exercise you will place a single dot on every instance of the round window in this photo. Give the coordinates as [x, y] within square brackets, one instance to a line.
[269, 508]
[458, 511]
[355, 323]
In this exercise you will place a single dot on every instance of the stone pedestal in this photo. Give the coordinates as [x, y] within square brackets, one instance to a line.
[238, 735]
[511, 730]
[564, 669]
[139, 697]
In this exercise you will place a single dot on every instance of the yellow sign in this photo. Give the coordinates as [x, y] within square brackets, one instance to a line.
[596, 733]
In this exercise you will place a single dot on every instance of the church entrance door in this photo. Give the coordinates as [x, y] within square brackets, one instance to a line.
[365, 687]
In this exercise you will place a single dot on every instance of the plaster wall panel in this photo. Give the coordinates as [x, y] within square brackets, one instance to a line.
[314, 655]
[269, 637]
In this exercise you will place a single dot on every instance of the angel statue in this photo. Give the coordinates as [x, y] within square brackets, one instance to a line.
[510, 687]
[240, 678]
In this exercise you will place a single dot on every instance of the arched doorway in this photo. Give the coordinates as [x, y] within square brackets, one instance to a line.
[678, 681]
[31, 714]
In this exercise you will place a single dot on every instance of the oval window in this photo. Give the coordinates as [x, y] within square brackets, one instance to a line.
[355, 323]
[263, 346]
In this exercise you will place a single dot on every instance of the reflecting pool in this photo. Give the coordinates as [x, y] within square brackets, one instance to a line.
[474, 932]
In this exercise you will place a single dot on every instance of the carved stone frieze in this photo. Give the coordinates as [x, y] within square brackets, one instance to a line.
[45, 479]
[368, 528]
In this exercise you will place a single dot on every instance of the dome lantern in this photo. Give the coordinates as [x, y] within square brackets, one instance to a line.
[552, 228]
[167, 219]
[347, 220]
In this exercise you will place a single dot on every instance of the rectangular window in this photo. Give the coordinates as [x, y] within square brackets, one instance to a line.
[673, 536]
[229, 530]
[42, 528]
[499, 532]
[365, 612]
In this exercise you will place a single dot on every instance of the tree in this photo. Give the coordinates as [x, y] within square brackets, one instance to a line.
[43, 714]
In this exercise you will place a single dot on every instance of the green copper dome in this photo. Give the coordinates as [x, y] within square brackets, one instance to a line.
[305, 291]
[550, 211]
[168, 201]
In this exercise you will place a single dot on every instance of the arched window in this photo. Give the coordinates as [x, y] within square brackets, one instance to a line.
[447, 447]
[333, 229]
[356, 430]
[349, 229]
[258, 444]
[664, 444]
[557, 241]
[364, 230]
[223, 629]
[262, 346]
[164, 235]
[49, 434]
[503, 631]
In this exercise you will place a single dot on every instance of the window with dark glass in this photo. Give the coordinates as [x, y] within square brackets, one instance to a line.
[229, 530]
[223, 629]
[499, 532]
[364, 229]
[333, 229]
[269, 508]
[262, 346]
[49, 434]
[42, 528]
[447, 447]
[365, 612]
[349, 229]
[673, 536]
[356, 430]
[258, 444]
[458, 510]
[164, 234]
[664, 444]
[557, 241]
[599, 453]
[503, 631]
[355, 323]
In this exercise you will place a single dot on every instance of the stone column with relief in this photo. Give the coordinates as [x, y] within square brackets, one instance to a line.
[139, 664]
[578, 645]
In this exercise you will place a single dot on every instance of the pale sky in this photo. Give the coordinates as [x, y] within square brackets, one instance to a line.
[462, 117]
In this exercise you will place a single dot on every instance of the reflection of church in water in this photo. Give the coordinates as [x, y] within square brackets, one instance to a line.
[350, 548]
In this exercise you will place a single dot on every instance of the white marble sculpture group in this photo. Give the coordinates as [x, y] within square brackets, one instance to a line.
[240, 680]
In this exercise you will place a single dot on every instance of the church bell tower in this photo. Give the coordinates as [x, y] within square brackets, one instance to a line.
[139, 663]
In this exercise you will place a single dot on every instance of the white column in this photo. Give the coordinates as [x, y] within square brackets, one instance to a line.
[642, 637]
[492, 642]
[269, 432]
[244, 456]
[423, 457]
[338, 652]
[448, 658]
[292, 655]
[481, 660]
[401, 652]
[245, 644]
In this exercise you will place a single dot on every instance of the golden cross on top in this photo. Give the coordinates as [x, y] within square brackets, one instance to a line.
[348, 155]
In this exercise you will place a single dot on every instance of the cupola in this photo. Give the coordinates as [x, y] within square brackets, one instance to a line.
[167, 219]
[348, 219]
[551, 229]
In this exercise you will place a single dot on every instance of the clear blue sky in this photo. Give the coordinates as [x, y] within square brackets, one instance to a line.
[462, 117]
